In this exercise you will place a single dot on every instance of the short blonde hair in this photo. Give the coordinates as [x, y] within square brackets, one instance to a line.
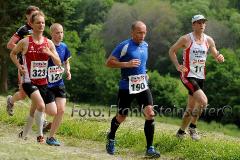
[54, 26]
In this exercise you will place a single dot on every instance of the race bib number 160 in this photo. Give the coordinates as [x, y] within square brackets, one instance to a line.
[38, 69]
[137, 83]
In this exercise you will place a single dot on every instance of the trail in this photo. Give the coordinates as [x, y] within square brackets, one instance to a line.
[12, 147]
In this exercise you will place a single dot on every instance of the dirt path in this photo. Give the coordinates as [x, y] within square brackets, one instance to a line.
[12, 147]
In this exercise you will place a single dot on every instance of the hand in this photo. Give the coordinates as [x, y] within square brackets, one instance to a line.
[69, 76]
[220, 58]
[147, 77]
[134, 63]
[21, 70]
[182, 68]
[46, 50]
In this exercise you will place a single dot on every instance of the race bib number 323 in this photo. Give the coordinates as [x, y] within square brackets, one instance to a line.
[38, 69]
[137, 83]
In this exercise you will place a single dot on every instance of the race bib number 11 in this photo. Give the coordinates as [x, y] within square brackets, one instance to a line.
[137, 83]
[38, 69]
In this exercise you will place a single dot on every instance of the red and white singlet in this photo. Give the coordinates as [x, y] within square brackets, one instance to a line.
[194, 58]
[36, 63]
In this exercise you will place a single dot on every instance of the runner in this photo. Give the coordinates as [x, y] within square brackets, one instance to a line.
[21, 33]
[196, 45]
[131, 56]
[56, 84]
[36, 51]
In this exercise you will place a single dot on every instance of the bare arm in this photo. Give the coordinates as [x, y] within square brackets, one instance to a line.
[67, 67]
[13, 55]
[212, 47]
[12, 42]
[181, 43]
[113, 62]
[51, 51]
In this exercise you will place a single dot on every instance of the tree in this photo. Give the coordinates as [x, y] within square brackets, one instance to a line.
[220, 32]
[8, 22]
[91, 80]
[157, 15]
[55, 10]
[223, 83]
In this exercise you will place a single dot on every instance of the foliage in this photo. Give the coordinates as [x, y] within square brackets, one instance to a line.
[93, 28]
[92, 82]
[158, 16]
[130, 136]
[167, 91]
[223, 83]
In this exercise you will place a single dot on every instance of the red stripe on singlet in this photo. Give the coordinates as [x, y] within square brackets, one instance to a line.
[186, 60]
[188, 84]
[187, 65]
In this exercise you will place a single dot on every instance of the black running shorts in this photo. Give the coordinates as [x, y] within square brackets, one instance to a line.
[58, 91]
[192, 84]
[47, 96]
[125, 99]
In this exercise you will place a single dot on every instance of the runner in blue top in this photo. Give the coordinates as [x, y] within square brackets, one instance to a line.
[55, 81]
[131, 56]
[133, 49]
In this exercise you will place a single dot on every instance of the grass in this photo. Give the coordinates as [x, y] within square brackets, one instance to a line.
[218, 142]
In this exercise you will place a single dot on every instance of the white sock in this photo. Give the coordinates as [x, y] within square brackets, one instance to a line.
[28, 126]
[39, 118]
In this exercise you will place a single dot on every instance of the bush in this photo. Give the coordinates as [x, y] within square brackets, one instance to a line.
[167, 91]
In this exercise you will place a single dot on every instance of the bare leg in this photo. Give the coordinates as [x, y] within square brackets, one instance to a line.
[201, 104]
[188, 113]
[60, 102]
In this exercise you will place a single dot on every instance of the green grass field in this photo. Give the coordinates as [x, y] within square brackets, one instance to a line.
[218, 141]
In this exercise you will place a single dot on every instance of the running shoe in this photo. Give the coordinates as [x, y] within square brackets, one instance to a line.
[152, 153]
[52, 141]
[110, 146]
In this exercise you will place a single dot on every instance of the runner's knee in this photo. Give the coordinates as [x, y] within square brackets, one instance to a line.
[51, 112]
[121, 118]
[60, 110]
[149, 113]
[22, 95]
[203, 103]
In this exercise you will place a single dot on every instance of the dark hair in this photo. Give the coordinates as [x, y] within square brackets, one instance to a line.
[34, 15]
[30, 9]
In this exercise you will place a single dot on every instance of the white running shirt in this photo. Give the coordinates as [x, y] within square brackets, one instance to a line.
[194, 58]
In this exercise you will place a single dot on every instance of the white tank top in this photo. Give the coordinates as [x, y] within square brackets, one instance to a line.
[194, 58]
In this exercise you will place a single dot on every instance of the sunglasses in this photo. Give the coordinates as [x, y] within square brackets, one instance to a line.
[200, 22]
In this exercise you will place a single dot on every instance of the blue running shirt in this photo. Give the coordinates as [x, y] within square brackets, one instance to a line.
[126, 51]
[54, 72]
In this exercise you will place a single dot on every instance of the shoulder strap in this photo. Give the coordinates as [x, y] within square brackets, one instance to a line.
[46, 41]
[30, 39]
[205, 40]
[191, 36]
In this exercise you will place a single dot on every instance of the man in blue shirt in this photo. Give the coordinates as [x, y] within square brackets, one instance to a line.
[131, 56]
[55, 81]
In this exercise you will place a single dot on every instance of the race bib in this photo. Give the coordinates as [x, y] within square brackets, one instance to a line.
[55, 73]
[198, 66]
[38, 69]
[137, 83]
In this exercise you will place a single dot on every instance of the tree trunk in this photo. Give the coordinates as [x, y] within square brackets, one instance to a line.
[3, 70]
